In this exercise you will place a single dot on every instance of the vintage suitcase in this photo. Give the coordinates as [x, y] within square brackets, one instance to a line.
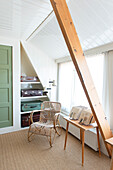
[29, 106]
[29, 79]
[31, 92]
[36, 116]
[25, 119]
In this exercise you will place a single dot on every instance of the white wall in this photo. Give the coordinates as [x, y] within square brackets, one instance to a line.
[45, 67]
[26, 66]
[16, 85]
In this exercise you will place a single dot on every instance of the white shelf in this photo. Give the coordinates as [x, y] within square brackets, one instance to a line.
[25, 112]
[30, 83]
[29, 111]
[33, 97]
[23, 128]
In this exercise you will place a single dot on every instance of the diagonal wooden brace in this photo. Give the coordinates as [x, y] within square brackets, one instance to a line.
[71, 38]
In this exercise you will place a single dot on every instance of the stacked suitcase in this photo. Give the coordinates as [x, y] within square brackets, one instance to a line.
[28, 106]
[25, 119]
[29, 79]
[31, 92]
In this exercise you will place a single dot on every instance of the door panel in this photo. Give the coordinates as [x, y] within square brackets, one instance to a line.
[4, 76]
[4, 93]
[3, 57]
[5, 86]
[4, 117]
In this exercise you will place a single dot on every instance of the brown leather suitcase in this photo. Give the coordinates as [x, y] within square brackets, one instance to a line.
[25, 119]
[31, 92]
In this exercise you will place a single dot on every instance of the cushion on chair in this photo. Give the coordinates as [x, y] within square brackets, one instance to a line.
[47, 124]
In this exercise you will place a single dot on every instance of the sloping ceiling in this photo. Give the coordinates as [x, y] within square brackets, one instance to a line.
[93, 20]
[19, 18]
[94, 24]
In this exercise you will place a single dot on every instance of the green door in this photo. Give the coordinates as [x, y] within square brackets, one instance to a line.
[6, 86]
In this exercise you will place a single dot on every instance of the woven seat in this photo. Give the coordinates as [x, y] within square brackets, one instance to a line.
[48, 124]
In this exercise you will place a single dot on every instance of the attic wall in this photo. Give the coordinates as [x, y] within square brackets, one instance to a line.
[26, 67]
[45, 67]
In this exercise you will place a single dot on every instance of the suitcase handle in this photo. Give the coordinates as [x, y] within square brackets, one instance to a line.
[33, 106]
[26, 106]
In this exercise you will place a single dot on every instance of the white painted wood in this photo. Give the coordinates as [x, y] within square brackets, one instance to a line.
[90, 52]
[93, 23]
[42, 24]
[45, 67]
[19, 18]
[33, 97]
[30, 83]
[28, 112]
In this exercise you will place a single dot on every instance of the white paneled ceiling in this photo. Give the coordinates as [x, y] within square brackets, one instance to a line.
[51, 41]
[19, 18]
[93, 20]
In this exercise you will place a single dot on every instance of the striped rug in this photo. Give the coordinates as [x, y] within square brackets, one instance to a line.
[16, 153]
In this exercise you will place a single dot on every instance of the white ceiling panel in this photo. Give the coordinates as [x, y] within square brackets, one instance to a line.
[50, 40]
[19, 18]
[93, 20]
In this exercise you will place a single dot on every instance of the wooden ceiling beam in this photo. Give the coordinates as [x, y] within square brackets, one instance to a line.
[71, 38]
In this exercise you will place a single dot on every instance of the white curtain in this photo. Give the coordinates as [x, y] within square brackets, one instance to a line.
[108, 87]
[65, 81]
[70, 89]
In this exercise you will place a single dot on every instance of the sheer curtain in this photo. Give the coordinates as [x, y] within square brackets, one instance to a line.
[66, 84]
[108, 87]
[70, 89]
[95, 64]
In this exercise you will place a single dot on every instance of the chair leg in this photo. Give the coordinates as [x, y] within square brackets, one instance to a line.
[51, 137]
[58, 129]
[30, 134]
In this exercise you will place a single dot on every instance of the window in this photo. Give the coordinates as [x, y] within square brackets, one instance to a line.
[70, 91]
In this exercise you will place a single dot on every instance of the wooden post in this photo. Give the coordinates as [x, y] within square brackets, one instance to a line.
[70, 35]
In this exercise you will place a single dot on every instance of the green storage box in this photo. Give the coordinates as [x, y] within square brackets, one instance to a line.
[29, 106]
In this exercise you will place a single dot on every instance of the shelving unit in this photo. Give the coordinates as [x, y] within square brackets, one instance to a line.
[25, 115]
[28, 70]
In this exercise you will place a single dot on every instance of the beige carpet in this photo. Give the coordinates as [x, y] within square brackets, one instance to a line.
[16, 153]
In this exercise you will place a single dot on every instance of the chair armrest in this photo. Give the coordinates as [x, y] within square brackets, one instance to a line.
[56, 117]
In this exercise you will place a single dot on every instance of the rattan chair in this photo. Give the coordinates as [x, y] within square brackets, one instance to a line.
[48, 125]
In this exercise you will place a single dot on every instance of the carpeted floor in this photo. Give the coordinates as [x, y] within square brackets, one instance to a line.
[16, 153]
